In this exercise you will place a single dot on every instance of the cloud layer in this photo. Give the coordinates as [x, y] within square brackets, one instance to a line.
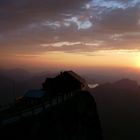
[35, 26]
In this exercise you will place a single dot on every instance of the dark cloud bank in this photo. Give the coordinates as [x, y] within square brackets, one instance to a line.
[30, 23]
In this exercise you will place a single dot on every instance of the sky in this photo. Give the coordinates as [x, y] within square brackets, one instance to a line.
[69, 33]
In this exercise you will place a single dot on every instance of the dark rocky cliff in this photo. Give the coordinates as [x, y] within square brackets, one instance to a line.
[73, 119]
[119, 109]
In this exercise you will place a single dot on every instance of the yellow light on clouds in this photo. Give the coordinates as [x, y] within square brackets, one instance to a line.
[119, 58]
[100, 58]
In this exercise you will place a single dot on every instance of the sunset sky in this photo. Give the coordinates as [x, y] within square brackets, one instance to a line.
[69, 33]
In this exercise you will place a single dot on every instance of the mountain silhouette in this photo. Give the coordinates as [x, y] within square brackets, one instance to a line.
[118, 105]
[74, 118]
[16, 82]
[16, 74]
[6, 89]
[127, 84]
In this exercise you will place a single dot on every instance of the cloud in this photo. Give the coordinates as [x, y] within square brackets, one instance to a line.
[27, 11]
[58, 25]
[72, 47]
[80, 23]
[114, 4]
[121, 20]
[62, 44]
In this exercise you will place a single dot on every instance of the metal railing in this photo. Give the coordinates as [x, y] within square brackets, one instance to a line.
[34, 110]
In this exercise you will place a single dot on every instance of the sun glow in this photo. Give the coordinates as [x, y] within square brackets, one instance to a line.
[137, 60]
[59, 59]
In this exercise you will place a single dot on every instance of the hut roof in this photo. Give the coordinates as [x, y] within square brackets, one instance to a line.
[34, 94]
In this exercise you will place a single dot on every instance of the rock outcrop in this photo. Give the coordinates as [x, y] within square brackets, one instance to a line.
[73, 119]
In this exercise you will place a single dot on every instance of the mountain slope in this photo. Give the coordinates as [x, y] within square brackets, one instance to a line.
[74, 119]
[119, 108]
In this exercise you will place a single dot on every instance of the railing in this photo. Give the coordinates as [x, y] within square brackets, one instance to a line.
[36, 109]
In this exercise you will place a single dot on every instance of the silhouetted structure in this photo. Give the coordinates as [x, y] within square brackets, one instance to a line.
[65, 83]
[34, 96]
[73, 118]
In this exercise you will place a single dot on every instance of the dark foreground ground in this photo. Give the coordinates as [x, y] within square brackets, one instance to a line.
[74, 119]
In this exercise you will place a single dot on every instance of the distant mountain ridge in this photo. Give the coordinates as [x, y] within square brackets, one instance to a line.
[119, 109]
[127, 84]
[16, 82]
[16, 74]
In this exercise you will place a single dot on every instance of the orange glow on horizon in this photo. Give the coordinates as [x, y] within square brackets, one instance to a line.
[137, 61]
[101, 58]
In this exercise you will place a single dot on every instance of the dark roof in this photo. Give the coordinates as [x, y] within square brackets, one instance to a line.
[76, 76]
[65, 81]
[34, 94]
